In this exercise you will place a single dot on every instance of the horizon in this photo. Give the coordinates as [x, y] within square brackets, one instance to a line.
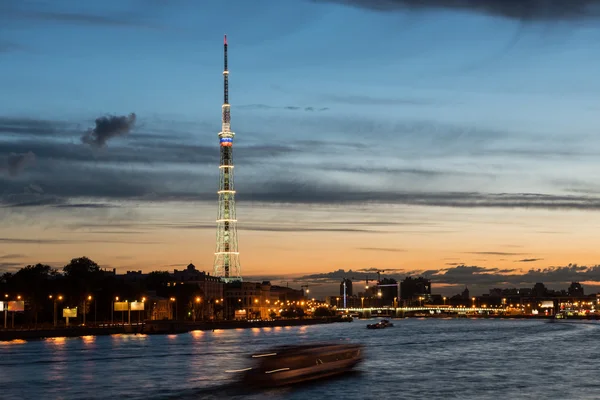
[328, 284]
[440, 142]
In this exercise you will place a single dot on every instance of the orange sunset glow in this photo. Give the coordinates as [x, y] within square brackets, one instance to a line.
[311, 240]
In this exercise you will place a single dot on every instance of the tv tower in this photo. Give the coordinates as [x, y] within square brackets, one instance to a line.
[227, 257]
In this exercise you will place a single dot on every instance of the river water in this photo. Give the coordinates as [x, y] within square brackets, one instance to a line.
[415, 359]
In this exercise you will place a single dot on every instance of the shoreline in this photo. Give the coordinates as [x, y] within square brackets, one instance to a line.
[153, 328]
[177, 327]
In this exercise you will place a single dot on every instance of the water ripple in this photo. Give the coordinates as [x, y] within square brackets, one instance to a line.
[417, 359]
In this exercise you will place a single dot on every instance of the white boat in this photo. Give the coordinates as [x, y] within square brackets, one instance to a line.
[295, 364]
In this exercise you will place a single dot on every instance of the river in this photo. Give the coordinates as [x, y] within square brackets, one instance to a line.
[415, 359]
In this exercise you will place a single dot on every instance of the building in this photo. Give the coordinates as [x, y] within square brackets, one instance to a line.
[159, 309]
[259, 300]
[285, 294]
[348, 289]
[210, 287]
[249, 300]
[411, 288]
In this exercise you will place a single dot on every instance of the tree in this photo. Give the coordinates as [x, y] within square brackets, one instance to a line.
[5, 277]
[322, 312]
[33, 283]
[81, 267]
[82, 276]
[292, 312]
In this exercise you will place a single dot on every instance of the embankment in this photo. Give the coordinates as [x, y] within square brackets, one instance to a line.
[154, 327]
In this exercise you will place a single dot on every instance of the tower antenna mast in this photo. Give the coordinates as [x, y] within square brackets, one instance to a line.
[227, 261]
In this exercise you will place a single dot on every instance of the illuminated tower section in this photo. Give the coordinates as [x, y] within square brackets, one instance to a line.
[227, 257]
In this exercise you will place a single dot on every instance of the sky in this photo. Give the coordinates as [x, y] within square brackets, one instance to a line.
[456, 142]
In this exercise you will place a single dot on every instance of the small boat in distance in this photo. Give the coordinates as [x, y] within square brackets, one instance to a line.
[380, 325]
[295, 364]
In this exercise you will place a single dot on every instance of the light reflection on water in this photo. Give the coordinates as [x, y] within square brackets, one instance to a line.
[416, 359]
[12, 342]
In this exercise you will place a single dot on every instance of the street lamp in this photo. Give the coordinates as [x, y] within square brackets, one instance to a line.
[198, 300]
[54, 300]
[112, 310]
[89, 298]
[142, 312]
[174, 300]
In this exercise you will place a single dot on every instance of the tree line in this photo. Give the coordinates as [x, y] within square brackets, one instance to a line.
[82, 283]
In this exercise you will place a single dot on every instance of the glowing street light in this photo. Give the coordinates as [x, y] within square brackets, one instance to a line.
[112, 310]
[54, 300]
[174, 300]
[89, 298]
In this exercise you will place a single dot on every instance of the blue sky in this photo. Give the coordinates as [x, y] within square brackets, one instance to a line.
[338, 110]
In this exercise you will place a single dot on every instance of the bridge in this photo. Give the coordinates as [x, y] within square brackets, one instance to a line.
[400, 311]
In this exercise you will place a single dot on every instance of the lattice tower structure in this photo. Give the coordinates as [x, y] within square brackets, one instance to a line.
[227, 256]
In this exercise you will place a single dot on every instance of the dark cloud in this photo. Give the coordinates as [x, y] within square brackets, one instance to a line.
[15, 163]
[18, 10]
[264, 228]
[34, 127]
[241, 227]
[31, 200]
[6, 46]
[494, 253]
[153, 168]
[12, 256]
[291, 108]
[361, 100]
[384, 249]
[477, 276]
[546, 10]
[387, 223]
[375, 169]
[10, 266]
[309, 193]
[466, 275]
[94, 182]
[526, 260]
[375, 270]
[90, 19]
[35, 241]
[67, 241]
[86, 205]
[108, 127]
[311, 145]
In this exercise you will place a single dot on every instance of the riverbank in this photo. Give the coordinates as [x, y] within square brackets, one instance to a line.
[155, 327]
